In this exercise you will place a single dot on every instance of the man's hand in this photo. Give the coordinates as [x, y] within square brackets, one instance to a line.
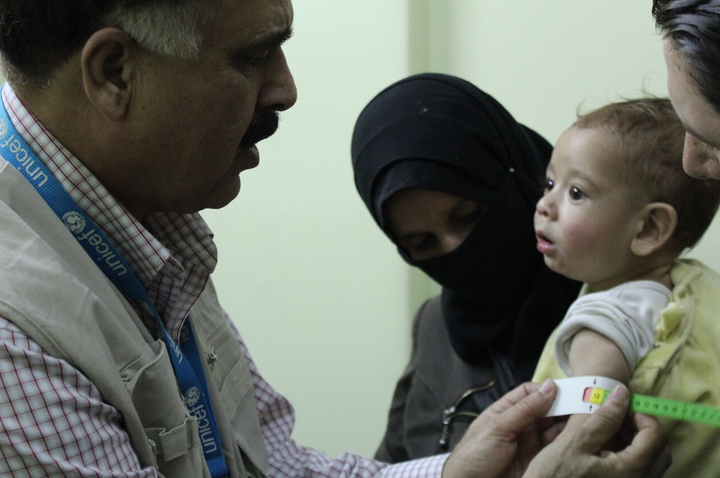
[582, 452]
[503, 440]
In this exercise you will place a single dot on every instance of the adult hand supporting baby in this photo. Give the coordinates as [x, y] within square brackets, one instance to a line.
[581, 452]
[508, 437]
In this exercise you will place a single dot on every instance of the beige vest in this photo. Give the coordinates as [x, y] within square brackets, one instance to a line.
[52, 290]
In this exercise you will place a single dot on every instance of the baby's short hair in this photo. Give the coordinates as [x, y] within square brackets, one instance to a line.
[653, 139]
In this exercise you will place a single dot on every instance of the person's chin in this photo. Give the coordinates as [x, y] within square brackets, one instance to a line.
[223, 193]
[228, 188]
[552, 264]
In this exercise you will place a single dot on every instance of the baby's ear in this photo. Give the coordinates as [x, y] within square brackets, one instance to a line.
[659, 223]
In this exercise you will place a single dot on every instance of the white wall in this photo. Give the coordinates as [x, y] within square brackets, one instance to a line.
[317, 291]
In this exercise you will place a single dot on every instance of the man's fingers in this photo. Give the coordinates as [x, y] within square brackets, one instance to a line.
[662, 463]
[604, 424]
[647, 449]
[529, 409]
[649, 445]
[514, 396]
[549, 434]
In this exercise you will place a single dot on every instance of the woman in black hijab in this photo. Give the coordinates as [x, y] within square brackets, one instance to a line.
[453, 179]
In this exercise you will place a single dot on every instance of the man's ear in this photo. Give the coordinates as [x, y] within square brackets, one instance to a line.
[109, 63]
[659, 223]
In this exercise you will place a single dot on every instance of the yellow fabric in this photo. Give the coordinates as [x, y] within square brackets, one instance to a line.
[684, 365]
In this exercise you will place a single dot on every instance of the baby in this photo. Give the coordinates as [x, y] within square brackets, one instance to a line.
[618, 211]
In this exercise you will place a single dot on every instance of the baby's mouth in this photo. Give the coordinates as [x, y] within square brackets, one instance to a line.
[541, 237]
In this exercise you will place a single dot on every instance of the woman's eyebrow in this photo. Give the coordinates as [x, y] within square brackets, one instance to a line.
[463, 203]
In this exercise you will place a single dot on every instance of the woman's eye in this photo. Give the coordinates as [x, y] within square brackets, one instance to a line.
[419, 244]
[470, 217]
[426, 243]
[576, 194]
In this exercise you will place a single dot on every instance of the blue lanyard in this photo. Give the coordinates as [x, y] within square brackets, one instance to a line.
[188, 365]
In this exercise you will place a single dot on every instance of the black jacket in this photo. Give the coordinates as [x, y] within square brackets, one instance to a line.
[438, 395]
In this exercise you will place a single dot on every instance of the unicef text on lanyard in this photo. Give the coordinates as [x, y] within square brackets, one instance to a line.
[188, 366]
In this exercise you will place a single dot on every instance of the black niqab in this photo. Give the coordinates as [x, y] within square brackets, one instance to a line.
[441, 133]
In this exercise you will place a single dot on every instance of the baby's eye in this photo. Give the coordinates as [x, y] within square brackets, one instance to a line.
[576, 194]
[547, 185]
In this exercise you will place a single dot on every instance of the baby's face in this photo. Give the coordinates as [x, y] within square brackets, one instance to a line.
[589, 215]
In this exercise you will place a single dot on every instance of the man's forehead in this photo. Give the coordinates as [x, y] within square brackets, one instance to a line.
[252, 21]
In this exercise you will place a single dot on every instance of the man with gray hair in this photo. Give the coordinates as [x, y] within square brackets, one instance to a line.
[121, 119]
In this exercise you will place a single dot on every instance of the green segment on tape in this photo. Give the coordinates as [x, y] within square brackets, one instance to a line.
[687, 412]
[661, 407]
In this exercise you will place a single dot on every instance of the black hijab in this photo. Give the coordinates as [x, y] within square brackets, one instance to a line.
[442, 133]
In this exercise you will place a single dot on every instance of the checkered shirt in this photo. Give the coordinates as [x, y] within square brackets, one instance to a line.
[53, 421]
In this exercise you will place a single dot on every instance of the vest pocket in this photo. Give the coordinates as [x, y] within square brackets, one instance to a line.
[172, 432]
[234, 381]
[178, 451]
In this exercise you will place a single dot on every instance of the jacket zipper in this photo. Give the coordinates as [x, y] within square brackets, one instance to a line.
[449, 414]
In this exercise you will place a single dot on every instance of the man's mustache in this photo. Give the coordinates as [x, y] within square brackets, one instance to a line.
[262, 126]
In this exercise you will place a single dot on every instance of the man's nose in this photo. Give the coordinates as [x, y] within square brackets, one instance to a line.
[279, 92]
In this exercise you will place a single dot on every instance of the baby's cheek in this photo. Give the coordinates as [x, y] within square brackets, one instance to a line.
[580, 234]
[583, 242]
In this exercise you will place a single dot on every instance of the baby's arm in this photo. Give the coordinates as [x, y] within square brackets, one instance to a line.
[592, 353]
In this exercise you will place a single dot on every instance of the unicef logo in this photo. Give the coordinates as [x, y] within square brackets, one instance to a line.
[3, 128]
[74, 221]
[192, 396]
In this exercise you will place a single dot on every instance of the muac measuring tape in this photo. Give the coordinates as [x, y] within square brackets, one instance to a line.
[586, 394]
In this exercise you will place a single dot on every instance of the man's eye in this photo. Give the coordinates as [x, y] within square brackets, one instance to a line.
[251, 60]
[576, 194]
